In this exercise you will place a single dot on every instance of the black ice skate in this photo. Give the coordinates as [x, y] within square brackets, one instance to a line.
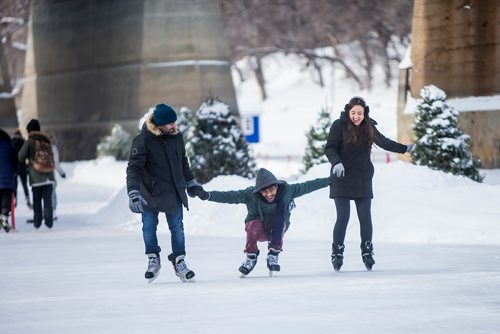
[272, 262]
[154, 266]
[181, 269]
[367, 254]
[248, 265]
[4, 221]
[337, 256]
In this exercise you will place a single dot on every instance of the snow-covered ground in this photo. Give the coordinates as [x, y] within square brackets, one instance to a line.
[436, 237]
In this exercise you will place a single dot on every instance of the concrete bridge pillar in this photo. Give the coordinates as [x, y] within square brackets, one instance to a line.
[93, 63]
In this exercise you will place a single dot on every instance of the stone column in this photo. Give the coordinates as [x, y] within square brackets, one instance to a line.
[456, 46]
[93, 63]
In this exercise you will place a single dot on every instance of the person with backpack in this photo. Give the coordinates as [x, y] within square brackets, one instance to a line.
[8, 167]
[38, 150]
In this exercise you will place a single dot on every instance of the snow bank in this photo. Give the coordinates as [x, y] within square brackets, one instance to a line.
[412, 204]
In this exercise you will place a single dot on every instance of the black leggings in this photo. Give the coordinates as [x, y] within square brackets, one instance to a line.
[6, 199]
[363, 208]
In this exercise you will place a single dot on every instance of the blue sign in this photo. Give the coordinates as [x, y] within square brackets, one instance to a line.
[250, 127]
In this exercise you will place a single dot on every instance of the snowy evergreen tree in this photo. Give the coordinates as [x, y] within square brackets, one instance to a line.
[117, 144]
[316, 141]
[440, 144]
[186, 126]
[219, 145]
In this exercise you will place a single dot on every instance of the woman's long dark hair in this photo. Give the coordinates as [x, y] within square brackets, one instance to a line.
[364, 132]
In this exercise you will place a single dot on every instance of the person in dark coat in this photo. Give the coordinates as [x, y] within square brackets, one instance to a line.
[269, 204]
[348, 149]
[41, 182]
[8, 167]
[158, 174]
[22, 169]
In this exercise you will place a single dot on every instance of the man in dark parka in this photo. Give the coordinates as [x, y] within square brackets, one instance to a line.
[158, 174]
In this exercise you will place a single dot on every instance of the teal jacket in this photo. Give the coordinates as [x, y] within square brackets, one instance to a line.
[259, 208]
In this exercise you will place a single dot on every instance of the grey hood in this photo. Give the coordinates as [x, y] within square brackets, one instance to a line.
[264, 179]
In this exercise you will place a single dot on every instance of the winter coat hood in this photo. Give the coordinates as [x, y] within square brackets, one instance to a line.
[152, 127]
[264, 179]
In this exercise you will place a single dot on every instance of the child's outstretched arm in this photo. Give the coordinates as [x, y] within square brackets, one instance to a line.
[299, 189]
[228, 197]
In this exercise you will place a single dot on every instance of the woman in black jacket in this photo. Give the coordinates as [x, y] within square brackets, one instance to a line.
[348, 149]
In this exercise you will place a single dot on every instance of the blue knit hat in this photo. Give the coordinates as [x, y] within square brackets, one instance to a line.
[164, 114]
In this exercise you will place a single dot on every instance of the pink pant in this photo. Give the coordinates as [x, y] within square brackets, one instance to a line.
[255, 232]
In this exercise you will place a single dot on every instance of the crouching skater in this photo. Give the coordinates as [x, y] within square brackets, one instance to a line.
[269, 204]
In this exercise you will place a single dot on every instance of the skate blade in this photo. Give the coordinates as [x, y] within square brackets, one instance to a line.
[187, 280]
[273, 273]
[243, 275]
[151, 280]
[184, 279]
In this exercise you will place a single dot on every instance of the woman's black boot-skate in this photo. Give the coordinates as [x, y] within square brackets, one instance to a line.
[337, 256]
[367, 254]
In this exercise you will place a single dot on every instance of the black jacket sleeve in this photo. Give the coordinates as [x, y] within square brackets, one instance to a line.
[333, 143]
[386, 143]
[137, 160]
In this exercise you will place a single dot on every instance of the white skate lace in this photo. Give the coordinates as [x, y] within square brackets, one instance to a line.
[181, 268]
[272, 259]
[249, 263]
[153, 264]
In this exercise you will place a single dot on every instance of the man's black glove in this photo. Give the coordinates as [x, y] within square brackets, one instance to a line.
[202, 194]
[191, 186]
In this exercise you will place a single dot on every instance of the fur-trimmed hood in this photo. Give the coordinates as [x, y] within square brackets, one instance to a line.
[153, 128]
